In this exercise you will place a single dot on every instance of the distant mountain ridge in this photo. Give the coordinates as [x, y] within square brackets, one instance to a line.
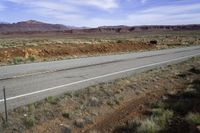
[33, 26]
[30, 22]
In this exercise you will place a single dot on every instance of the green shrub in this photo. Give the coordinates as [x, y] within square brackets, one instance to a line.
[181, 106]
[119, 41]
[31, 108]
[69, 94]
[133, 125]
[51, 100]
[110, 103]
[160, 105]
[118, 99]
[148, 126]
[66, 115]
[77, 94]
[193, 118]
[190, 93]
[164, 118]
[4, 125]
[17, 60]
[31, 58]
[29, 121]
[157, 111]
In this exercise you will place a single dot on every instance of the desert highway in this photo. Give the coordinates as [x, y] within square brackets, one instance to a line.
[27, 83]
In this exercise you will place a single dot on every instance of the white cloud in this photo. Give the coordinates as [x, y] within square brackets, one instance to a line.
[170, 9]
[53, 6]
[163, 15]
[105, 4]
[167, 15]
[101, 4]
[44, 4]
[75, 12]
[143, 1]
[57, 15]
[63, 11]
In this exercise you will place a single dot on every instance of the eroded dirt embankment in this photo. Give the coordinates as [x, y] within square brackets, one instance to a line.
[56, 51]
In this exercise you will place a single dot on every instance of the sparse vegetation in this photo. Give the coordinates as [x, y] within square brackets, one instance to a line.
[119, 41]
[29, 121]
[18, 60]
[94, 102]
[31, 108]
[148, 126]
[157, 122]
[66, 115]
[181, 106]
[174, 113]
[164, 118]
[132, 126]
[193, 118]
[80, 123]
[119, 99]
[69, 95]
[110, 103]
[52, 100]
[49, 48]
[31, 58]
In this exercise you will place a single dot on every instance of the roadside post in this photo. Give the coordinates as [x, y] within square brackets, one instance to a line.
[5, 104]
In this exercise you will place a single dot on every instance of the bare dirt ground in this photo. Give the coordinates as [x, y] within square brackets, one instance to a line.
[111, 107]
[50, 51]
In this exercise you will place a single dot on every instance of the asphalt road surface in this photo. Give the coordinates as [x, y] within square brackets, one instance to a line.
[28, 83]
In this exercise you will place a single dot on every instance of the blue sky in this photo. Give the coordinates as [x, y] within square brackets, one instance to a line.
[95, 13]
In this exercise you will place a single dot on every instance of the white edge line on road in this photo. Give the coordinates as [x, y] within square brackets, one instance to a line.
[98, 77]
